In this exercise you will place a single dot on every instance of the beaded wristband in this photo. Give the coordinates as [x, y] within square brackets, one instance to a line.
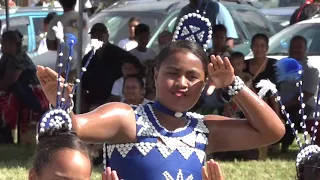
[235, 87]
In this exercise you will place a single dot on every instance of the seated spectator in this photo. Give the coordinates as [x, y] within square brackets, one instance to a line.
[129, 67]
[231, 109]
[219, 41]
[20, 94]
[133, 90]
[130, 43]
[289, 92]
[143, 53]
[165, 37]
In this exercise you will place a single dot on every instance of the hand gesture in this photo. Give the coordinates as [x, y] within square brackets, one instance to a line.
[48, 80]
[220, 72]
[213, 171]
[109, 175]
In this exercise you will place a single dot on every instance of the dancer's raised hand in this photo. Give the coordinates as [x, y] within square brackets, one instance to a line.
[213, 171]
[48, 80]
[109, 175]
[220, 73]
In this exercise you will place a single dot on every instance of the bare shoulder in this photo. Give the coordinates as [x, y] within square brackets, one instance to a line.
[115, 109]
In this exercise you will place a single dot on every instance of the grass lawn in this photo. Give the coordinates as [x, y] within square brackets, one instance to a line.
[16, 160]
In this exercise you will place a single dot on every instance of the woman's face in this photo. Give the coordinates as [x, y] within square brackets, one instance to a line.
[65, 164]
[8, 47]
[179, 81]
[132, 90]
[259, 48]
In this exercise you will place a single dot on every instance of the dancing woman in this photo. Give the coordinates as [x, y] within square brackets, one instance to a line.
[161, 140]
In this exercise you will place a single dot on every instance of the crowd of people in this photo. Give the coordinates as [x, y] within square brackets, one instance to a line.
[161, 86]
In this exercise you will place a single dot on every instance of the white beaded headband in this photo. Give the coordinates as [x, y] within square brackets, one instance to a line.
[289, 69]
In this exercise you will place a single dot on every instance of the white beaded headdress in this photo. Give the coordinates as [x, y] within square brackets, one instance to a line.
[289, 69]
[194, 27]
[59, 115]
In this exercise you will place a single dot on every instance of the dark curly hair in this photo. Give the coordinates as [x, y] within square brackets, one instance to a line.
[54, 140]
[309, 168]
[13, 35]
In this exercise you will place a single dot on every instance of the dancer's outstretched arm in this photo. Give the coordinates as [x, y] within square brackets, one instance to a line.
[112, 121]
[262, 127]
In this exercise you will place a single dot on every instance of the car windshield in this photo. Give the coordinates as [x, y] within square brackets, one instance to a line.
[117, 22]
[281, 3]
[279, 22]
[279, 43]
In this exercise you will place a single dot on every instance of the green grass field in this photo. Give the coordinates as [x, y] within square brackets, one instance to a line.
[16, 160]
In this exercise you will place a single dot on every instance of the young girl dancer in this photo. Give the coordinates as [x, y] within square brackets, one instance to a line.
[161, 140]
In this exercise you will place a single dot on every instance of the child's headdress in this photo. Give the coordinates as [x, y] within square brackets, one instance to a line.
[58, 116]
[288, 69]
[194, 27]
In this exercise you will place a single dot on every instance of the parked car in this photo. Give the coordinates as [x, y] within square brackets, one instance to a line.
[29, 22]
[161, 15]
[279, 17]
[309, 29]
[281, 3]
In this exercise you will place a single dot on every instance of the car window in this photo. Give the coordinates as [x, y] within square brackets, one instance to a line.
[279, 22]
[117, 23]
[21, 24]
[38, 29]
[279, 44]
[253, 21]
[281, 3]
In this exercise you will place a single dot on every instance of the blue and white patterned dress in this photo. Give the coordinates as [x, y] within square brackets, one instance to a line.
[160, 154]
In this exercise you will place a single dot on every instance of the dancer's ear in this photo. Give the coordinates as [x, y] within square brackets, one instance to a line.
[156, 72]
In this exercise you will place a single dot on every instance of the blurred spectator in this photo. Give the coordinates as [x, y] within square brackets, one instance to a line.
[47, 3]
[219, 41]
[20, 94]
[11, 3]
[98, 31]
[104, 69]
[144, 54]
[133, 90]
[129, 67]
[289, 92]
[130, 42]
[306, 11]
[216, 13]
[69, 20]
[43, 44]
[165, 37]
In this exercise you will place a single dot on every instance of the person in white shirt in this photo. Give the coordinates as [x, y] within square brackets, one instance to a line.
[130, 42]
[143, 53]
[134, 90]
[129, 67]
[43, 43]
[69, 20]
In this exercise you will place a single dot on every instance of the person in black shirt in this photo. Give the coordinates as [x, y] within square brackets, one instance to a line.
[103, 70]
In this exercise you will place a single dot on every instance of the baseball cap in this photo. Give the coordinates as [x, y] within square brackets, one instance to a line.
[99, 27]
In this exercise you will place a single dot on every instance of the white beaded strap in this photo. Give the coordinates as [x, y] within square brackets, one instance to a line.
[234, 88]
